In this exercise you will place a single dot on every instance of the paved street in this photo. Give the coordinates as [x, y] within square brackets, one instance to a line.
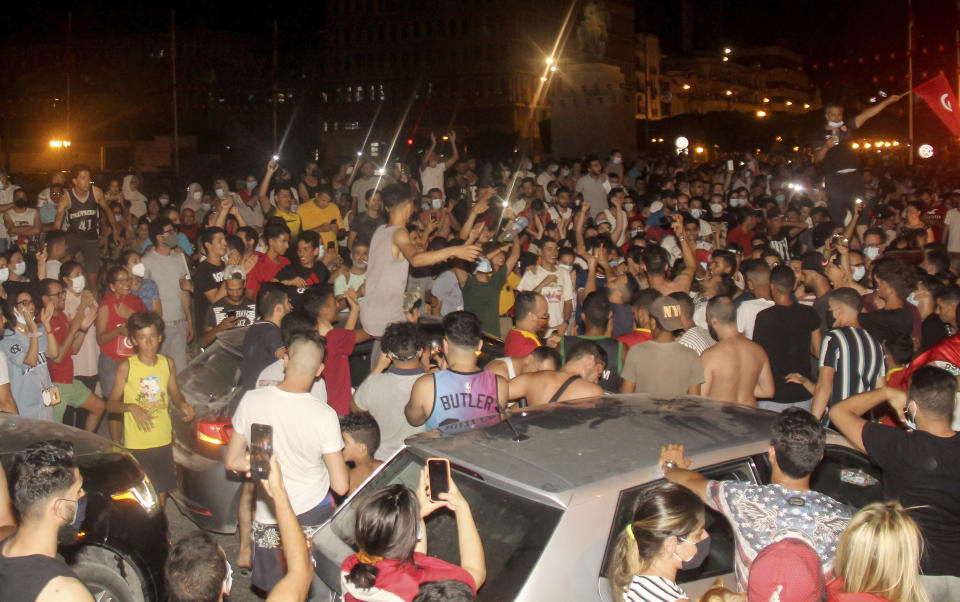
[180, 526]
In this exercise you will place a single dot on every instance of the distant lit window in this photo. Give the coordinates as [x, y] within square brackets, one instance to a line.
[374, 149]
[351, 125]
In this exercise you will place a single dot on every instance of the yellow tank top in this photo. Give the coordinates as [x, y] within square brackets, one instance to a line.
[146, 387]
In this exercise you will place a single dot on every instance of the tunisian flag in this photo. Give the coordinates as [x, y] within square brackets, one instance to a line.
[939, 96]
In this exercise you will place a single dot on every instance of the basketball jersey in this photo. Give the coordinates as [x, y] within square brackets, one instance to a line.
[83, 217]
[459, 396]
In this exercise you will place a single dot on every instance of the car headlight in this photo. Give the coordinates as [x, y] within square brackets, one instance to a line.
[143, 493]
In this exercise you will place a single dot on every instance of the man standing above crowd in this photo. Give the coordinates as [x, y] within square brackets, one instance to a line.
[392, 252]
[432, 168]
[735, 369]
[461, 391]
[593, 186]
[80, 207]
[235, 310]
[838, 162]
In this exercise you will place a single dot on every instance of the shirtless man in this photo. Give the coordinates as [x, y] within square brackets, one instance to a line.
[575, 380]
[656, 261]
[735, 369]
[541, 358]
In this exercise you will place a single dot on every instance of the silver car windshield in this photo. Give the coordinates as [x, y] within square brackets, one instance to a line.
[514, 529]
[211, 375]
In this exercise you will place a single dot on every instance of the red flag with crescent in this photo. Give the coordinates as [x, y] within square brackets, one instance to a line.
[938, 94]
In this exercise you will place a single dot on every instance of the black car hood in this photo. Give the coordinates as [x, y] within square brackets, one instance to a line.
[17, 432]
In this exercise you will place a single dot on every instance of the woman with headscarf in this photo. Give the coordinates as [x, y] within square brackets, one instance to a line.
[131, 192]
[194, 198]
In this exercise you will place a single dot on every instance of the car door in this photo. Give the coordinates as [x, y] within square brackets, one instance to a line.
[720, 561]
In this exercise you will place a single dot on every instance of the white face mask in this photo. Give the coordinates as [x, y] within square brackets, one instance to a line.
[78, 284]
[164, 201]
[696, 213]
[197, 195]
[628, 207]
[859, 272]
[251, 185]
[19, 268]
[871, 252]
[20, 317]
[835, 124]
[4, 274]
[565, 172]
[437, 204]
[220, 193]
[716, 208]
[139, 270]
[294, 207]
[321, 251]
[259, 248]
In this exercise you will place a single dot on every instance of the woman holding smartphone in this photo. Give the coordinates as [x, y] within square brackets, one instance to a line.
[392, 540]
[25, 345]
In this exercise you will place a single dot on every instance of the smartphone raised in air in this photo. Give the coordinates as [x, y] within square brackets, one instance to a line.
[438, 470]
[261, 448]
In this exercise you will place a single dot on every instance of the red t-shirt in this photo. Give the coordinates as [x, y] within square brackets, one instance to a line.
[61, 372]
[119, 347]
[520, 343]
[336, 368]
[639, 335]
[742, 238]
[264, 271]
[401, 579]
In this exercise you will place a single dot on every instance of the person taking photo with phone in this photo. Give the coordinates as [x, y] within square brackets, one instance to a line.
[305, 433]
[391, 535]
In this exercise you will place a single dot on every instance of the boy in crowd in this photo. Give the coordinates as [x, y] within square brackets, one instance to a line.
[361, 438]
[143, 388]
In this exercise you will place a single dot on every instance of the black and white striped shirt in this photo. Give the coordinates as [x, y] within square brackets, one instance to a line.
[646, 588]
[857, 358]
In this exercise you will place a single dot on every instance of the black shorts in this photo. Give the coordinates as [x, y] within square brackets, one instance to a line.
[157, 464]
[90, 249]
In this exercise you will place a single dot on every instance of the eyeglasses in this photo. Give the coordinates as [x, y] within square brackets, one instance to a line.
[62, 293]
[25, 303]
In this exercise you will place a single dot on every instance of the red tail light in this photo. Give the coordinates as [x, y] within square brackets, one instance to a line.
[214, 431]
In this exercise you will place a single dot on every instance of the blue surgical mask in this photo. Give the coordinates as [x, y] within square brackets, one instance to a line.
[437, 204]
[912, 299]
[871, 252]
[252, 185]
[859, 272]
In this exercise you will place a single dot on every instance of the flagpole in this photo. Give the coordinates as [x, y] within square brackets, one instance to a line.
[910, 77]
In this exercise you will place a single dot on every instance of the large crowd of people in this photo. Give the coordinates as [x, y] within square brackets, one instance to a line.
[744, 280]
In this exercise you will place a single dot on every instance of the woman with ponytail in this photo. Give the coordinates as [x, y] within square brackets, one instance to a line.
[392, 544]
[666, 534]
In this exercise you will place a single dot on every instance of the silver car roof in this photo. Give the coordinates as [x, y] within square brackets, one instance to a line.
[573, 444]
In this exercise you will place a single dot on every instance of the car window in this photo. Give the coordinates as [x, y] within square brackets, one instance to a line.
[720, 560]
[514, 530]
[211, 375]
[848, 476]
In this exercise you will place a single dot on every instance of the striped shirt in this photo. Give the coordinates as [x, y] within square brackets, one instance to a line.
[646, 588]
[857, 358]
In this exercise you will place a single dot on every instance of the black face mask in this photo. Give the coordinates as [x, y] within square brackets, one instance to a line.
[21, 203]
[831, 319]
